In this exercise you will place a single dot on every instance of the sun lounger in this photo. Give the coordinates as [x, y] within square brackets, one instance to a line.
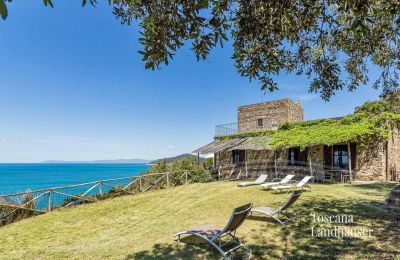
[282, 181]
[213, 235]
[282, 211]
[260, 180]
[300, 185]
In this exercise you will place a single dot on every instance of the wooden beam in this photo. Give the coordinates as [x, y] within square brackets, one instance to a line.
[49, 206]
[350, 170]
[21, 207]
[275, 168]
[245, 162]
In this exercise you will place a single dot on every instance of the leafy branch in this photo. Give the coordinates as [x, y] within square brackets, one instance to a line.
[332, 42]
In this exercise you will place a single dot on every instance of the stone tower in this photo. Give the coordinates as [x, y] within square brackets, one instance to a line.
[268, 115]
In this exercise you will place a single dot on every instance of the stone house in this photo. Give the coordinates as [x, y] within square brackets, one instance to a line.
[377, 159]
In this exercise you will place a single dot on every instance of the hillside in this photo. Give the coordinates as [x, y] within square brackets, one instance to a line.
[178, 158]
[142, 226]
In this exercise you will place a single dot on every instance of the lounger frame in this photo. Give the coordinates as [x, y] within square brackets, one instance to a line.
[260, 180]
[288, 178]
[282, 211]
[237, 218]
[301, 185]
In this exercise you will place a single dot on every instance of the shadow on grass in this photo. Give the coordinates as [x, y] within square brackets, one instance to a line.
[366, 215]
[190, 247]
[373, 188]
[295, 241]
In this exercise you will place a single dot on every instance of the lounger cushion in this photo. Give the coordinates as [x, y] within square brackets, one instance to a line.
[206, 230]
[261, 179]
[247, 183]
[267, 185]
[265, 210]
[282, 187]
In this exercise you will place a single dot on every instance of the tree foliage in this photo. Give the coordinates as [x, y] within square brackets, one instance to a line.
[330, 41]
[198, 172]
[388, 103]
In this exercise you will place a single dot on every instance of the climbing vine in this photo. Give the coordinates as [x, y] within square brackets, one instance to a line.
[356, 127]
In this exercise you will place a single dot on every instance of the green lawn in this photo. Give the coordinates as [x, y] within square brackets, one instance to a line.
[141, 226]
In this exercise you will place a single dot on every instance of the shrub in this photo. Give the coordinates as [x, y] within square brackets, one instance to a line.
[208, 164]
[115, 191]
[9, 214]
[75, 201]
[196, 172]
[204, 176]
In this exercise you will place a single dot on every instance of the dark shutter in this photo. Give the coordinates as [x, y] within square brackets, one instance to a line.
[353, 150]
[328, 156]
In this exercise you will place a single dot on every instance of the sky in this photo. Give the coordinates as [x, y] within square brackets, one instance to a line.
[73, 87]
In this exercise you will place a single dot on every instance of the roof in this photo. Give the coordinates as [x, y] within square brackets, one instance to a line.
[250, 143]
[254, 143]
[219, 145]
[269, 102]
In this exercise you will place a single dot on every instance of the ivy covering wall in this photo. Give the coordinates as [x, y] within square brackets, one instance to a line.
[366, 122]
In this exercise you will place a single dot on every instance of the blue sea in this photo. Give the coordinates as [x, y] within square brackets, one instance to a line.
[33, 176]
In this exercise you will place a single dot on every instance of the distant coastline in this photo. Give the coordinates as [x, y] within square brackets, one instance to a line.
[116, 161]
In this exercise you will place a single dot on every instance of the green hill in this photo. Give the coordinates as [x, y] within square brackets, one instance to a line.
[178, 158]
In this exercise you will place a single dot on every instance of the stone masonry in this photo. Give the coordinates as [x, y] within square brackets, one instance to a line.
[379, 160]
[394, 155]
[393, 202]
[272, 114]
[371, 159]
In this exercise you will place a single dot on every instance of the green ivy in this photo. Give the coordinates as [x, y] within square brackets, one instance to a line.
[246, 135]
[352, 128]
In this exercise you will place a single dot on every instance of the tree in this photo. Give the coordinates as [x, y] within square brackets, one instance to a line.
[387, 103]
[332, 42]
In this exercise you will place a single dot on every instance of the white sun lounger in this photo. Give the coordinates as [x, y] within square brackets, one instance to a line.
[283, 181]
[300, 185]
[260, 180]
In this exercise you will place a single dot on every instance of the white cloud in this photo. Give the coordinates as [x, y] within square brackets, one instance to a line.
[305, 97]
[170, 146]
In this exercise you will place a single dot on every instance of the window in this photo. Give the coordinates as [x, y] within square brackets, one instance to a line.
[238, 157]
[340, 156]
[297, 157]
[292, 156]
[260, 122]
[274, 125]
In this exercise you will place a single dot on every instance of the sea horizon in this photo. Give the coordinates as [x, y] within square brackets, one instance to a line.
[20, 177]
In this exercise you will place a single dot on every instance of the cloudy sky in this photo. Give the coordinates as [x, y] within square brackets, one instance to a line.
[73, 87]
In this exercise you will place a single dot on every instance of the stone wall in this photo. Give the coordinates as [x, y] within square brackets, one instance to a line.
[394, 155]
[371, 161]
[296, 112]
[379, 160]
[272, 113]
[393, 202]
[316, 154]
[258, 162]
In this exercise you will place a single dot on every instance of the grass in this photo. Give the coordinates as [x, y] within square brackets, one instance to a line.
[141, 226]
